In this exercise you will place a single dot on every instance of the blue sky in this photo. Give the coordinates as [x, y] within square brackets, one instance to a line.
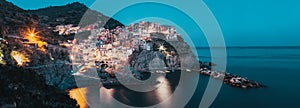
[243, 22]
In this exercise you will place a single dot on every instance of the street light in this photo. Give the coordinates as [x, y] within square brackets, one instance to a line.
[162, 48]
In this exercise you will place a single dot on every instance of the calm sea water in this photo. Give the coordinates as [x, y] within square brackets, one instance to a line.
[276, 67]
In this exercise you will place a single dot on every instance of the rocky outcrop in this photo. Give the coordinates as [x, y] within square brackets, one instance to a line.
[140, 60]
[57, 74]
[231, 79]
[24, 88]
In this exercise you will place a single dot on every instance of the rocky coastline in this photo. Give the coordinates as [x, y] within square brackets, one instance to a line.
[226, 78]
[231, 79]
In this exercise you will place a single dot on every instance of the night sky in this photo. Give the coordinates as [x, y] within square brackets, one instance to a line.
[243, 22]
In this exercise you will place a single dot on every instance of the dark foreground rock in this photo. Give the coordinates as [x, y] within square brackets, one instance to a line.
[24, 88]
[57, 74]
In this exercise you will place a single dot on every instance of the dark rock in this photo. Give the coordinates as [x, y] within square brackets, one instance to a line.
[24, 88]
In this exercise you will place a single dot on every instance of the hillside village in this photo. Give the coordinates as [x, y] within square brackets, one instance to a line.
[114, 47]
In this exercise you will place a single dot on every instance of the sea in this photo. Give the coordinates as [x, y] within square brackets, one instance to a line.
[276, 67]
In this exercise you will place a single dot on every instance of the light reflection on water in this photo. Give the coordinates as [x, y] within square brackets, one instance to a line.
[100, 96]
[164, 89]
[79, 95]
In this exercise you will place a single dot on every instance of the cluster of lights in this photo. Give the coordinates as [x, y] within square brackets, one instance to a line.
[20, 58]
[1, 57]
[32, 36]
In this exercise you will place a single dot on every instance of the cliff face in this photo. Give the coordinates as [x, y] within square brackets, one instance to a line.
[57, 75]
[24, 88]
[140, 60]
[143, 60]
[154, 59]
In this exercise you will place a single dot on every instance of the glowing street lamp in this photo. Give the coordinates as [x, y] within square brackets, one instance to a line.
[31, 32]
[162, 48]
[32, 36]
